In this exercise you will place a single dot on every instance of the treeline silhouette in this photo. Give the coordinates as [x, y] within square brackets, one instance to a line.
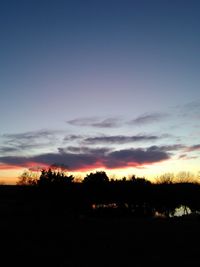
[97, 195]
[54, 220]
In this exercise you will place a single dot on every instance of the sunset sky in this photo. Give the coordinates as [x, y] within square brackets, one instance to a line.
[108, 85]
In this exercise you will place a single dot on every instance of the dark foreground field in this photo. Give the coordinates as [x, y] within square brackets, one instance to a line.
[59, 241]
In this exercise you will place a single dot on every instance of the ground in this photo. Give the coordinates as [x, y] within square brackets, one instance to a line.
[60, 241]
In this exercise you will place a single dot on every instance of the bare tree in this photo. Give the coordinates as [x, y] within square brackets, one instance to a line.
[185, 177]
[28, 177]
[166, 178]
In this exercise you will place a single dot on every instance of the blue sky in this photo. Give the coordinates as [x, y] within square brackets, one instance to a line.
[107, 70]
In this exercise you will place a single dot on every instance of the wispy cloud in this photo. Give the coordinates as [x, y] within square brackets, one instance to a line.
[192, 106]
[148, 118]
[193, 148]
[113, 139]
[167, 148]
[7, 149]
[84, 149]
[95, 122]
[73, 137]
[26, 141]
[30, 136]
[119, 139]
[189, 110]
[186, 157]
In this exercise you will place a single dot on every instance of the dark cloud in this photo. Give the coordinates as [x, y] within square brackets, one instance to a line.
[119, 139]
[135, 157]
[92, 158]
[148, 118]
[14, 160]
[73, 160]
[95, 122]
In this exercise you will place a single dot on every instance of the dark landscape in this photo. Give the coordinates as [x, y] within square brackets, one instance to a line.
[99, 222]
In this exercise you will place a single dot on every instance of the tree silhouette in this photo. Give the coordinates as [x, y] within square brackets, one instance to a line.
[57, 191]
[98, 178]
[53, 177]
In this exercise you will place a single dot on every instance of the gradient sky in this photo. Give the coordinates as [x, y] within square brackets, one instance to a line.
[100, 84]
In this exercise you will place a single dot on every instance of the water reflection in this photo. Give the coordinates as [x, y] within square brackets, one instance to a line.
[182, 210]
[178, 212]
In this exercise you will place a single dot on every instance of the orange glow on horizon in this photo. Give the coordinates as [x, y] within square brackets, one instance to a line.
[9, 173]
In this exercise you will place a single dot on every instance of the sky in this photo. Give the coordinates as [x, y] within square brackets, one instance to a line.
[92, 85]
